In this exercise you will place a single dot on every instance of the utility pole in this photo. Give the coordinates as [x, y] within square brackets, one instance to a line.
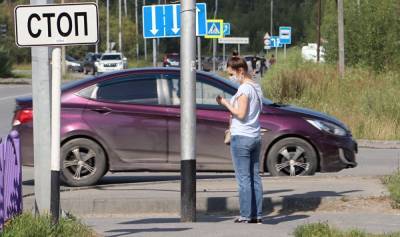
[126, 9]
[120, 26]
[214, 41]
[188, 111]
[108, 26]
[41, 85]
[341, 38]
[137, 30]
[97, 44]
[272, 18]
[318, 29]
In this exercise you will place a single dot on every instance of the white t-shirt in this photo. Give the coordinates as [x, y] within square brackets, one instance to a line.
[250, 125]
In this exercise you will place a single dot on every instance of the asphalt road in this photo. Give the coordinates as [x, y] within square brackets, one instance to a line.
[8, 93]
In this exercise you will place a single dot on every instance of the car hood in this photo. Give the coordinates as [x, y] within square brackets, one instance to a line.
[309, 113]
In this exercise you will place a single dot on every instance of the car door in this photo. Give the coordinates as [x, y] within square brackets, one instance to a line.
[127, 113]
[212, 121]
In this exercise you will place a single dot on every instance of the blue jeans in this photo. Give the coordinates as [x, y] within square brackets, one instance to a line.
[245, 154]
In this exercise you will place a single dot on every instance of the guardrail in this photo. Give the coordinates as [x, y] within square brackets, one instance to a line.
[10, 177]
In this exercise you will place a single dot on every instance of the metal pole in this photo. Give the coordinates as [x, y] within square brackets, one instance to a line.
[41, 123]
[272, 18]
[284, 51]
[63, 66]
[341, 38]
[276, 54]
[126, 9]
[137, 29]
[145, 41]
[199, 66]
[239, 49]
[214, 54]
[97, 44]
[154, 52]
[108, 26]
[120, 26]
[318, 30]
[188, 111]
[55, 134]
[223, 52]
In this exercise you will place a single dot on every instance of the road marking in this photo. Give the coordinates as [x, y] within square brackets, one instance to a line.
[14, 96]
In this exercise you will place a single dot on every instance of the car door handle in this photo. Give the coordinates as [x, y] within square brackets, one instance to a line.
[102, 110]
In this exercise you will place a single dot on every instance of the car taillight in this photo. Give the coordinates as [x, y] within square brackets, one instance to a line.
[23, 116]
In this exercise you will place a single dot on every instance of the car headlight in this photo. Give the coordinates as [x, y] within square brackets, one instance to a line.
[327, 127]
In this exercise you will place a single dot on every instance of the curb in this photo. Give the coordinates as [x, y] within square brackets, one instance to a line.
[378, 144]
[130, 205]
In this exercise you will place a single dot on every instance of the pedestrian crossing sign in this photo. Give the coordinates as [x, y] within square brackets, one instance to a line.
[215, 29]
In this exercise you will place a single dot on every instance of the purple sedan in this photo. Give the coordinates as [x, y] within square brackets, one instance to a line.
[130, 121]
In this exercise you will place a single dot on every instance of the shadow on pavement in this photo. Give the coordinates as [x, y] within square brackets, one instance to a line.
[123, 232]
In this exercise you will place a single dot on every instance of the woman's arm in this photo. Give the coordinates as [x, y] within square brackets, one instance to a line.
[239, 112]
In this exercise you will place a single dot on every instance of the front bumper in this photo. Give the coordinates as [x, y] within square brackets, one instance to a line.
[109, 69]
[337, 153]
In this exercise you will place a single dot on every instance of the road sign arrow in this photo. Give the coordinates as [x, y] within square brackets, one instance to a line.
[153, 30]
[197, 20]
[175, 28]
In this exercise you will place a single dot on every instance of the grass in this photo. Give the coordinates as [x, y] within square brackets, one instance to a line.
[364, 100]
[28, 225]
[393, 184]
[133, 63]
[324, 230]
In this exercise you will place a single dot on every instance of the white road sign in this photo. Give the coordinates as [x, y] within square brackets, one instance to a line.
[66, 24]
[233, 40]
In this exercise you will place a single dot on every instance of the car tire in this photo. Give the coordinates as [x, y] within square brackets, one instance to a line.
[83, 162]
[292, 157]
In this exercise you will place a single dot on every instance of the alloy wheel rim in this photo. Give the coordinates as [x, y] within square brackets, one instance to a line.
[80, 163]
[292, 161]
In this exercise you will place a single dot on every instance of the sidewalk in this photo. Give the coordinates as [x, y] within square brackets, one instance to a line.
[283, 194]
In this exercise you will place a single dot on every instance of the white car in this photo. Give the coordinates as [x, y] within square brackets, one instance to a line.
[309, 53]
[111, 62]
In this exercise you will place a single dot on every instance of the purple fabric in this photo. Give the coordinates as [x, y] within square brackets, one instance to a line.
[10, 177]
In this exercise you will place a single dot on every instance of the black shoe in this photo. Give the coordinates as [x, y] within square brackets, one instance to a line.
[239, 220]
[256, 221]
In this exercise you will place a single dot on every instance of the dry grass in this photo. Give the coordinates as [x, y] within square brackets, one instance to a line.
[367, 102]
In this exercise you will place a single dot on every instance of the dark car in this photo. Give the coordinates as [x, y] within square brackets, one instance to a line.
[130, 121]
[89, 63]
[72, 64]
[171, 60]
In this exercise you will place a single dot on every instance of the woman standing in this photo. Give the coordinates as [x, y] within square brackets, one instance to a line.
[245, 108]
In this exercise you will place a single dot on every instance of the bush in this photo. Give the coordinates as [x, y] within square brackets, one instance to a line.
[28, 225]
[393, 184]
[5, 62]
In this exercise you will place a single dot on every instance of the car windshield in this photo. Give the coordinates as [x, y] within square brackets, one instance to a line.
[69, 58]
[111, 57]
[174, 57]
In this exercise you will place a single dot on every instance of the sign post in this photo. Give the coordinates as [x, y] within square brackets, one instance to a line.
[215, 30]
[227, 32]
[188, 112]
[51, 25]
[285, 37]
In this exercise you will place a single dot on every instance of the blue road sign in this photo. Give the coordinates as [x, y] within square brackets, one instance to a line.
[164, 21]
[215, 29]
[227, 29]
[285, 34]
[275, 42]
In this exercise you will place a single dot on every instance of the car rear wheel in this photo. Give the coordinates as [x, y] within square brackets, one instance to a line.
[292, 157]
[83, 162]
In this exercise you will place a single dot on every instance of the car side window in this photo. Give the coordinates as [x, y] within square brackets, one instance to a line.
[206, 92]
[142, 90]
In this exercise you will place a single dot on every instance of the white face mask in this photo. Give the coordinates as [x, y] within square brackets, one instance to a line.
[233, 78]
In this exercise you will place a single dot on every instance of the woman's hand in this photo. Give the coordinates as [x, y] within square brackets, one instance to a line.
[221, 101]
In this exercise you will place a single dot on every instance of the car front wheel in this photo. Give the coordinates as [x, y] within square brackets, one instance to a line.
[83, 162]
[292, 157]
